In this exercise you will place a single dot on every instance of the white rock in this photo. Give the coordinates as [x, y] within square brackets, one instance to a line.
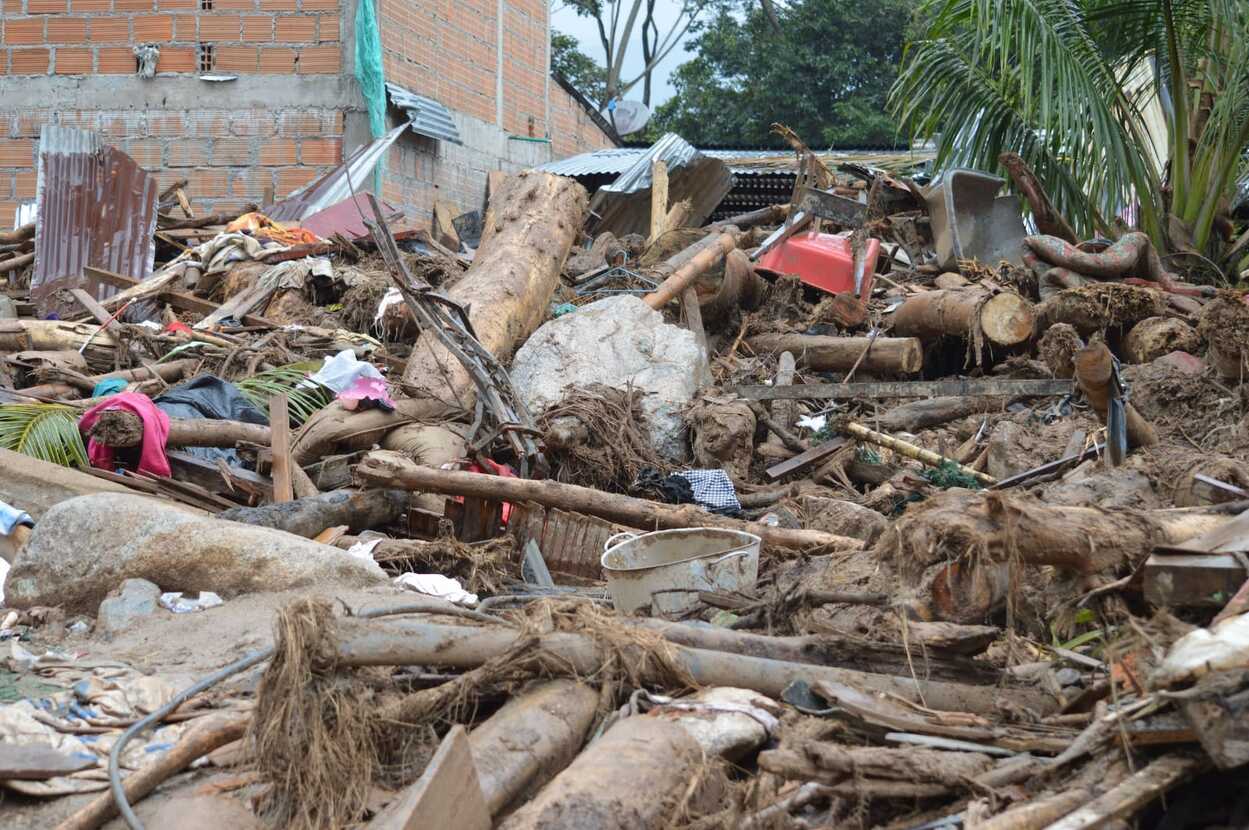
[616, 341]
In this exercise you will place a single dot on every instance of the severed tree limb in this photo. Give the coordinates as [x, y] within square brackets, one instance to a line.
[391, 469]
[201, 739]
[122, 428]
[1048, 219]
[1094, 365]
[309, 516]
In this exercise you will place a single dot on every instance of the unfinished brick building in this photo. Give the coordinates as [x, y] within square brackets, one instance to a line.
[253, 98]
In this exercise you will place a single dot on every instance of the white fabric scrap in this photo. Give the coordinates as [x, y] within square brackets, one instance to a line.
[436, 585]
[1226, 646]
[364, 550]
[814, 424]
[393, 296]
[341, 371]
[174, 601]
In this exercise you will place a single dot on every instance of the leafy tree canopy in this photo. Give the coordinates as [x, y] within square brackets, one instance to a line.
[576, 67]
[826, 74]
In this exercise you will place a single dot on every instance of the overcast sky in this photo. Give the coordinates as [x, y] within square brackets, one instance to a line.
[585, 30]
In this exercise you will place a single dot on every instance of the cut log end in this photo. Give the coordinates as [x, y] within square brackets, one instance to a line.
[1007, 319]
[117, 428]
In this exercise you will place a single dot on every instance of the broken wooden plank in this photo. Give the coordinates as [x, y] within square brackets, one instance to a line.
[804, 460]
[219, 477]
[1051, 467]
[95, 310]
[1192, 580]
[907, 389]
[179, 300]
[448, 793]
[1132, 794]
[280, 446]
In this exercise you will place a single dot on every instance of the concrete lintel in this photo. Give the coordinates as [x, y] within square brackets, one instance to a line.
[121, 92]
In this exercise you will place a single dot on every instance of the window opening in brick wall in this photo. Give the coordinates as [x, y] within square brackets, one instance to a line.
[206, 5]
[206, 56]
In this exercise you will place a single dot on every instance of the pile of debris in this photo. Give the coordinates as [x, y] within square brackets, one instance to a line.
[868, 509]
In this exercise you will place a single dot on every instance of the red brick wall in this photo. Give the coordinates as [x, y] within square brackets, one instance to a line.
[229, 157]
[572, 130]
[84, 37]
[447, 50]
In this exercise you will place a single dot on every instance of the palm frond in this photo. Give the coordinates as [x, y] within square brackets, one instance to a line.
[303, 400]
[45, 431]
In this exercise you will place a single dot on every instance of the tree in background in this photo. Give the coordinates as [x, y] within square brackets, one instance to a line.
[576, 67]
[617, 22]
[824, 68]
[1070, 85]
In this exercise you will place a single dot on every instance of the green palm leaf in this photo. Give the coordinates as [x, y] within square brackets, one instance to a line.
[302, 401]
[48, 432]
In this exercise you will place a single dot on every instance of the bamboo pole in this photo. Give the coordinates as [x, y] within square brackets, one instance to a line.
[920, 454]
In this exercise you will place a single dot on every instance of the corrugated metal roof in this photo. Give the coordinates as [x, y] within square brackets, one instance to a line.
[334, 186]
[429, 118]
[617, 160]
[671, 148]
[94, 206]
[624, 205]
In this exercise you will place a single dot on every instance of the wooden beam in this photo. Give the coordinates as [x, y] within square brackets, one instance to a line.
[1192, 580]
[659, 198]
[280, 446]
[979, 387]
[95, 310]
[179, 300]
[448, 793]
[1131, 794]
[803, 460]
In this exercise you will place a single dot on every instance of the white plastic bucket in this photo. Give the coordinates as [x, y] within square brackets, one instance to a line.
[662, 572]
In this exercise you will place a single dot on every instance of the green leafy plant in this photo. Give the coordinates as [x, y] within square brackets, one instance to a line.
[45, 431]
[1111, 102]
[303, 401]
[948, 475]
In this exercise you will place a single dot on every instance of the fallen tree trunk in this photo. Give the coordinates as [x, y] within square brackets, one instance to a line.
[309, 516]
[172, 370]
[887, 355]
[19, 234]
[1005, 319]
[506, 291]
[122, 428]
[684, 276]
[52, 335]
[629, 779]
[413, 642]
[1094, 365]
[383, 468]
[1154, 337]
[919, 415]
[553, 717]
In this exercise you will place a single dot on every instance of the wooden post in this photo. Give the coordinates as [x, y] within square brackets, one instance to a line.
[280, 446]
[659, 198]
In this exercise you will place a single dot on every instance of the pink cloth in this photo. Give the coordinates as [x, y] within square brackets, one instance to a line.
[155, 433]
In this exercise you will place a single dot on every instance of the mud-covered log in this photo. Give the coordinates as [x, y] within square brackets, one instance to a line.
[412, 642]
[684, 276]
[917, 415]
[980, 534]
[629, 779]
[1005, 319]
[358, 509]
[1154, 337]
[1225, 326]
[536, 734]
[122, 428]
[741, 288]
[506, 290]
[887, 355]
[1093, 367]
[391, 469]
[1100, 306]
[169, 371]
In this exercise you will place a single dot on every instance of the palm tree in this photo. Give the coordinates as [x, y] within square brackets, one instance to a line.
[1112, 102]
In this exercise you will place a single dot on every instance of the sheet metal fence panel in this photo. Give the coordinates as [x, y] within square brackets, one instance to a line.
[94, 207]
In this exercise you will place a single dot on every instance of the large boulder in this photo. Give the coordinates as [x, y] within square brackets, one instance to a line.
[85, 547]
[617, 341]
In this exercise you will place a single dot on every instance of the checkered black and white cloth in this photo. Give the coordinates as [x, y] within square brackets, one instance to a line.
[713, 490]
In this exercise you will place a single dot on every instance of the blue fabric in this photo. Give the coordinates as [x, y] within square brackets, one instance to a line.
[108, 386]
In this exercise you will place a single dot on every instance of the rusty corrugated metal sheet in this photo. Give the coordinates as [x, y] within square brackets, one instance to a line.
[95, 206]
